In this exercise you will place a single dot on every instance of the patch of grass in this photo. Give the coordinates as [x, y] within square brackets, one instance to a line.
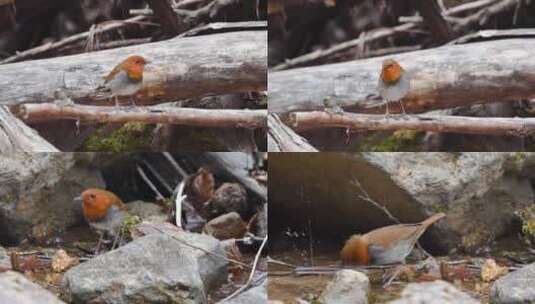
[132, 136]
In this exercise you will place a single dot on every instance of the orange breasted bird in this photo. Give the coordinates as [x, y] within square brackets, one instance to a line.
[104, 212]
[126, 79]
[386, 245]
[394, 83]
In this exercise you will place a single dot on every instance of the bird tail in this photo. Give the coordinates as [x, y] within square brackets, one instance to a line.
[432, 219]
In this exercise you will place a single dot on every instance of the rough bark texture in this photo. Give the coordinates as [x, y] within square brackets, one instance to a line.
[442, 77]
[221, 118]
[430, 123]
[15, 136]
[179, 68]
[283, 139]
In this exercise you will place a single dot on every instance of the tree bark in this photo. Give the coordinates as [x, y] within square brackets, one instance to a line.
[179, 68]
[15, 136]
[445, 77]
[430, 123]
[283, 139]
[220, 118]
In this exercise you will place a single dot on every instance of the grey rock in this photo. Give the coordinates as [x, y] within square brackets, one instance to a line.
[347, 287]
[17, 289]
[37, 191]
[149, 212]
[229, 197]
[256, 294]
[515, 288]
[437, 292]
[156, 268]
[226, 226]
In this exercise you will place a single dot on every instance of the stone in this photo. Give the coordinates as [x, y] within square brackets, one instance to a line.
[516, 287]
[226, 226]
[157, 268]
[147, 211]
[16, 288]
[347, 287]
[256, 294]
[437, 292]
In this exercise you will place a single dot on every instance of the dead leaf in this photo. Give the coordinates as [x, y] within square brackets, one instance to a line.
[490, 270]
[61, 261]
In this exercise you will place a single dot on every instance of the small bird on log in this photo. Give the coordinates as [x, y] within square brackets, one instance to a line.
[104, 212]
[394, 83]
[386, 245]
[126, 79]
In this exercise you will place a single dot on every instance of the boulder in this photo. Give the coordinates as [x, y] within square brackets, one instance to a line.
[16, 288]
[37, 191]
[516, 287]
[157, 268]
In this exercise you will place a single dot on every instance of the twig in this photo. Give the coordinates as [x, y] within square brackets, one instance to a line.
[149, 182]
[366, 197]
[251, 275]
[104, 27]
[482, 16]
[283, 139]
[178, 203]
[431, 123]
[158, 176]
[217, 118]
[175, 165]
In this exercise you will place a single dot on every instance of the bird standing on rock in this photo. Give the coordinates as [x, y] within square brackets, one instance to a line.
[104, 212]
[386, 245]
[126, 79]
[394, 83]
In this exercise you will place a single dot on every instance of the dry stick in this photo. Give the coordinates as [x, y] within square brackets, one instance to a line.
[218, 118]
[433, 123]
[452, 11]
[149, 182]
[283, 139]
[377, 34]
[483, 15]
[366, 197]
[163, 10]
[175, 165]
[107, 26]
[201, 249]
[178, 203]
[251, 275]
[158, 176]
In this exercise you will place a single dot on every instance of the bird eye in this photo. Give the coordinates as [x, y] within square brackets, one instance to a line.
[91, 195]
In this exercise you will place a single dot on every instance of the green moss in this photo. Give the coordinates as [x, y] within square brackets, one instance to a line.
[129, 222]
[401, 140]
[131, 136]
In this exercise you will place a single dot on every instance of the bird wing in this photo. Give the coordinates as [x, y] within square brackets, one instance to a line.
[386, 236]
[112, 74]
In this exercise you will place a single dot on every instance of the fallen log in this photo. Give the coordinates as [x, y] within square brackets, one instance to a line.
[283, 139]
[218, 118]
[16, 137]
[444, 77]
[430, 123]
[179, 68]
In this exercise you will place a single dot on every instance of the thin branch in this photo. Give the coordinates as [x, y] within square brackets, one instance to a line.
[149, 183]
[366, 197]
[283, 139]
[104, 27]
[432, 123]
[178, 203]
[251, 275]
[218, 118]
[175, 165]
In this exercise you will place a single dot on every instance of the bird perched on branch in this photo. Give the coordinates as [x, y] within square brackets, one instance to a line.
[126, 79]
[104, 212]
[386, 245]
[394, 83]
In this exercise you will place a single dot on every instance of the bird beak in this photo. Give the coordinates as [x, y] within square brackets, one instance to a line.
[78, 199]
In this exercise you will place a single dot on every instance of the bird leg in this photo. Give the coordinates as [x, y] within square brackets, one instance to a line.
[387, 114]
[116, 101]
[402, 107]
[388, 279]
[133, 104]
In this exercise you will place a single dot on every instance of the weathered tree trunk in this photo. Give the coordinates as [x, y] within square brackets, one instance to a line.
[179, 68]
[15, 136]
[444, 77]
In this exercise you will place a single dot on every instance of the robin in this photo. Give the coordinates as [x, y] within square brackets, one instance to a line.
[104, 212]
[126, 78]
[386, 245]
[394, 83]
